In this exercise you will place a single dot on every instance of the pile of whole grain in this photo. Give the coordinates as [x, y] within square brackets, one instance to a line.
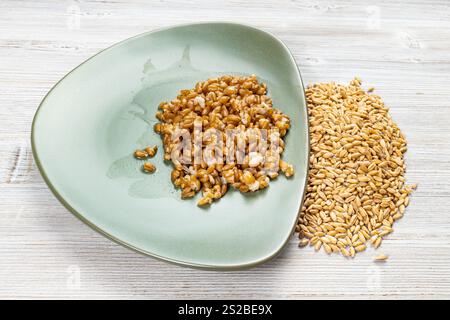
[236, 104]
[356, 187]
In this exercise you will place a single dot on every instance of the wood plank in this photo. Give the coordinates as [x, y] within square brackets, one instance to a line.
[400, 49]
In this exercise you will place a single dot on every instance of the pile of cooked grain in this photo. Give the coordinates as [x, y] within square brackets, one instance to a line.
[356, 187]
[225, 103]
[148, 152]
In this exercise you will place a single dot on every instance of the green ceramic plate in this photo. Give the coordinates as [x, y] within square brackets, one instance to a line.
[87, 126]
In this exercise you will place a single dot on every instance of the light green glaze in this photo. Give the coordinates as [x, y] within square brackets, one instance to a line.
[88, 125]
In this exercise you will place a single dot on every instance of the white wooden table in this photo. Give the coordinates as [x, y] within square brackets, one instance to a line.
[403, 49]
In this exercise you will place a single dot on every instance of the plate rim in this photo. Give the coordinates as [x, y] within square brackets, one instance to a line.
[109, 236]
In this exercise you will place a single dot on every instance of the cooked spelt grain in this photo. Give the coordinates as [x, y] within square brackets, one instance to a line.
[151, 151]
[148, 167]
[140, 154]
[228, 102]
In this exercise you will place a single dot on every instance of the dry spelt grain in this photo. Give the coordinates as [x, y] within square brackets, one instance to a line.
[356, 186]
[381, 257]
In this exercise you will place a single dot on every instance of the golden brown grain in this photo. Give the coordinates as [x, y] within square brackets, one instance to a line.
[227, 102]
[140, 154]
[151, 151]
[148, 167]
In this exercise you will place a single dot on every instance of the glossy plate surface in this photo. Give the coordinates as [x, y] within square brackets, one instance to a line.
[88, 125]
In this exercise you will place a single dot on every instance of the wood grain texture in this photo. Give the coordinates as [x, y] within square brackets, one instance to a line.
[401, 48]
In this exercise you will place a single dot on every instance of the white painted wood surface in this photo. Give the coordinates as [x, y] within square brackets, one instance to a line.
[400, 47]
